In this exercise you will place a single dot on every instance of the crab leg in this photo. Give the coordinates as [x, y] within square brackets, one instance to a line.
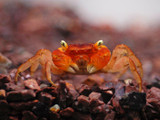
[34, 67]
[26, 65]
[48, 72]
[121, 59]
[44, 58]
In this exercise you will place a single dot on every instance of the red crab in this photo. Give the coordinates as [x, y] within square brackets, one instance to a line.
[84, 59]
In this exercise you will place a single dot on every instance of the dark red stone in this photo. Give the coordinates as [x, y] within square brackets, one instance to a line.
[5, 78]
[23, 105]
[46, 98]
[133, 101]
[67, 94]
[28, 115]
[153, 103]
[23, 95]
[94, 95]
[4, 107]
[153, 97]
[13, 118]
[110, 115]
[82, 104]
[81, 116]
[67, 112]
[54, 115]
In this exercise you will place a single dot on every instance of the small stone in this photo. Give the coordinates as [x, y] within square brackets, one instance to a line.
[41, 110]
[83, 100]
[95, 100]
[110, 115]
[2, 94]
[94, 80]
[23, 105]
[13, 118]
[153, 98]
[31, 84]
[81, 116]
[11, 86]
[94, 95]
[46, 98]
[128, 81]
[116, 105]
[85, 90]
[67, 112]
[4, 107]
[66, 94]
[23, 95]
[51, 90]
[5, 78]
[82, 104]
[55, 108]
[99, 112]
[28, 115]
[43, 86]
[54, 115]
[98, 109]
[133, 101]
[71, 91]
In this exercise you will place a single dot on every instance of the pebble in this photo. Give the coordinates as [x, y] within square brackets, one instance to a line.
[94, 80]
[31, 84]
[2, 94]
[55, 108]
[67, 112]
[23, 95]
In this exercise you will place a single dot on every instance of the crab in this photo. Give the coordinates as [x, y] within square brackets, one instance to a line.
[84, 59]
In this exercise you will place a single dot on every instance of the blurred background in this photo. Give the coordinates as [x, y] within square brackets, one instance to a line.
[27, 26]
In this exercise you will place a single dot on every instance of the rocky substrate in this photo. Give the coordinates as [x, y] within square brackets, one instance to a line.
[28, 100]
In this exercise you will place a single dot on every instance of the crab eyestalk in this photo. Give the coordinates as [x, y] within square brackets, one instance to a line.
[99, 43]
[64, 45]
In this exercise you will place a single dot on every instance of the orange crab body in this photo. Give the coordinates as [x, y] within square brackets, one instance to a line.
[84, 59]
[80, 58]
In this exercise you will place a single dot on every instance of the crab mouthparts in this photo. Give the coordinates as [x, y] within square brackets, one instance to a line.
[81, 67]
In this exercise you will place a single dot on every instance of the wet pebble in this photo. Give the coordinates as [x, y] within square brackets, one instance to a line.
[28, 115]
[67, 112]
[31, 84]
[23, 95]
[2, 94]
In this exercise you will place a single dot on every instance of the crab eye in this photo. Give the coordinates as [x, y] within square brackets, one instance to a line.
[63, 43]
[99, 42]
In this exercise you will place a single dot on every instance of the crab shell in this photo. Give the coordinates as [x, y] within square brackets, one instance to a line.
[81, 58]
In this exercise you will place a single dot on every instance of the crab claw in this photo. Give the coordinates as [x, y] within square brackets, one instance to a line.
[73, 68]
[91, 68]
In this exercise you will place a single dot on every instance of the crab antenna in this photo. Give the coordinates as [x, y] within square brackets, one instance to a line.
[99, 42]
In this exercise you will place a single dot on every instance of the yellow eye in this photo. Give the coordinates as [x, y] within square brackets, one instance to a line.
[63, 43]
[99, 42]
